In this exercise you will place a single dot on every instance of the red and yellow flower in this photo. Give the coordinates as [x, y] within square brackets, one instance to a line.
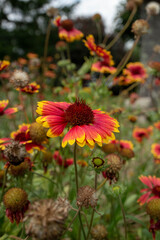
[67, 31]
[8, 111]
[23, 136]
[31, 88]
[4, 64]
[105, 65]
[140, 133]
[157, 125]
[135, 72]
[86, 126]
[153, 190]
[155, 150]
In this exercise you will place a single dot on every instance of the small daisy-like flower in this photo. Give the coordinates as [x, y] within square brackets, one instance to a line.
[67, 31]
[153, 190]
[135, 72]
[157, 125]
[105, 65]
[86, 126]
[155, 150]
[140, 133]
[31, 88]
[8, 111]
[4, 64]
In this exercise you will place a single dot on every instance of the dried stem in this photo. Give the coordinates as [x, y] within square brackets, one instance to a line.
[77, 185]
[124, 217]
[123, 29]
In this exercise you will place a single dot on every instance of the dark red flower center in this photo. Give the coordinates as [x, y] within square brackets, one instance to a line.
[79, 113]
[156, 191]
[137, 70]
[67, 24]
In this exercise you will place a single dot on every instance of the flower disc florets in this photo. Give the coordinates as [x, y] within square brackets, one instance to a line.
[79, 113]
[153, 208]
[37, 132]
[16, 203]
[67, 24]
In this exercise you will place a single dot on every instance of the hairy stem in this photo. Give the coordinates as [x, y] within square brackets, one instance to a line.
[124, 217]
[77, 185]
[93, 211]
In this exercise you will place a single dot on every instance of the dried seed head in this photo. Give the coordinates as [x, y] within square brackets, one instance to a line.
[156, 48]
[125, 152]
[15, 153]
[21, 169]
[99, 232]
[109, 148]
[86, 197]
[19, 78]
[114, 163]
[37, 132]
[140, 27]
[153, 208]
[46, 219]
[51, 12]
[132, 3]
[153, 8]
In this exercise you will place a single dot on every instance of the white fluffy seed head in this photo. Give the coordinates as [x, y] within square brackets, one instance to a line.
[153, 8]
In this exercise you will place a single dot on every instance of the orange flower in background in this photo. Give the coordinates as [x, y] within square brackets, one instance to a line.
[155, 150]
[105, 65]
[135, 72]
[32, 55]
[8, 111]
[31, 88]
[3, 142]
[86, 126]
[155, 65]
[22, 61]
[50, 74]
[82, 163]
[157, 125]
[140, 133]
[67, 31]
[4, 64]
[153, 190]
[62, 162]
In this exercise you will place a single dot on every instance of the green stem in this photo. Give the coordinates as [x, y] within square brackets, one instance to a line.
[124, 217]
[77, 185]
[68, 52]
[93, 211]
[101, 185]
[40, 175]
[4, 183]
